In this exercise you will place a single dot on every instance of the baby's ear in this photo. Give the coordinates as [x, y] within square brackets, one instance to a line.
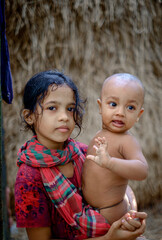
[99, 104]
[28, 116]
[140, 114]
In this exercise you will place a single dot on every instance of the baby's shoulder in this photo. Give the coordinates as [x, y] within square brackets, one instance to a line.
[128, 139]
[120, 140]
[128, 136]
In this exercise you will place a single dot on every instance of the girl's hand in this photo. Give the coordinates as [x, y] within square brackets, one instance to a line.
[117, 233]
[102, 157]
[133, 220]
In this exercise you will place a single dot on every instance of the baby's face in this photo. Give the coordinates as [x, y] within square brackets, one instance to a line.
[120, 104]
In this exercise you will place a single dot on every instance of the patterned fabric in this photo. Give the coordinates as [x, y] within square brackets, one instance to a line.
[61, 191]
[33, 207]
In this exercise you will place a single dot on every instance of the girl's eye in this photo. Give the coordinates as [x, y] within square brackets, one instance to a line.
[112, 104]
[131, 107]
[71, 109]
[52, 108]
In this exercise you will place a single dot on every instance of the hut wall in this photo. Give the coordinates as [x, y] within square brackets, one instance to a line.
[89, 40]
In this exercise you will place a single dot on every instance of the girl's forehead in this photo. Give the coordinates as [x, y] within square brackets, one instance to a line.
[60, 92]
[54, 86]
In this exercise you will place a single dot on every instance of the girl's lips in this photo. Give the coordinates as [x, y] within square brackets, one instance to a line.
[118, 123]
[63, 129]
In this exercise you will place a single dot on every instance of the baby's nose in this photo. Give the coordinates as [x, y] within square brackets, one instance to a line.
[120, 111]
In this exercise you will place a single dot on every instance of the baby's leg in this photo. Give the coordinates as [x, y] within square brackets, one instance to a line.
[102, 157]
[131, 198]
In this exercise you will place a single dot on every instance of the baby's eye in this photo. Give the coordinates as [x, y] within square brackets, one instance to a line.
[131, 107]
[112, 104]
[71, 109]
[52, 108]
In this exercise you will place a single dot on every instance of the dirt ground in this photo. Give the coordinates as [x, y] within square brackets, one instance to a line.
[153, 230]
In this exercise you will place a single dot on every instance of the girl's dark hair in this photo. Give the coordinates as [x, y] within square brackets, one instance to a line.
[36, 90]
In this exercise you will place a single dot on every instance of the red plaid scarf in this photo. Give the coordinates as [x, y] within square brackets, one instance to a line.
[61, 191]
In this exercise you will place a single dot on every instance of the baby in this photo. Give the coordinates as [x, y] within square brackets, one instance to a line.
[114, 155]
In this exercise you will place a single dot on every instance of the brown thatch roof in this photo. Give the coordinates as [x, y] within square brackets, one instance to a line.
[90, 40]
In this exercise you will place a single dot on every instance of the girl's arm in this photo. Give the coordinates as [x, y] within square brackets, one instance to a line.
[133, 166]
[117, 233]
[127, 228]
[41, 233]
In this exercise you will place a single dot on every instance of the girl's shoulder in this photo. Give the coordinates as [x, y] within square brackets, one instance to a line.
[32, 205]
[28, 174]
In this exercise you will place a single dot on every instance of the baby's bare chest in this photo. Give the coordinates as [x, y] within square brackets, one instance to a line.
[115, 144]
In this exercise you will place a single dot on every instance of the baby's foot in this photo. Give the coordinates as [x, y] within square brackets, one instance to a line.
[102, 157]
[141, 238]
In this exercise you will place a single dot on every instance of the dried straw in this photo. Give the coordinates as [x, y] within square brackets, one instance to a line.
[90, 40]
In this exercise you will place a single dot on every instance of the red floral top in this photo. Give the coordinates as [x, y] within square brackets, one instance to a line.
[33, 208]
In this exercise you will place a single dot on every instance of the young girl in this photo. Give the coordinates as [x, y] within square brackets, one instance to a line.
[48, 201]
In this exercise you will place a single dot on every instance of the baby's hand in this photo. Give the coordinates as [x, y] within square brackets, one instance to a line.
[102, 157]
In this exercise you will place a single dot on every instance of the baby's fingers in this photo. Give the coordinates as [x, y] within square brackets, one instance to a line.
[93, 158]
[100, 140]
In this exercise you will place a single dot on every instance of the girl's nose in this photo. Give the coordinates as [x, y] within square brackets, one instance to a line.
[63, 116]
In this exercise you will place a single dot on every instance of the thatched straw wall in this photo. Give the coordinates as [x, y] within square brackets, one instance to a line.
[89, 40]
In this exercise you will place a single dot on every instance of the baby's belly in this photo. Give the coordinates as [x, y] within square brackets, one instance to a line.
[101, 187]
[100, 197]
[114, 213]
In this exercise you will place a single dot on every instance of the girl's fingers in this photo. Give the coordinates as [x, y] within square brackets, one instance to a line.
[135, 223]
[131, 223]
[141, 230]
[140, 215]
[127, 225]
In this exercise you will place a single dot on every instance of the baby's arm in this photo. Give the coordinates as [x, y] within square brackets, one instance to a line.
[134, 167]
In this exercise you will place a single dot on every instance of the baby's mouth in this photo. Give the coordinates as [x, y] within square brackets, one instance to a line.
[118, 123]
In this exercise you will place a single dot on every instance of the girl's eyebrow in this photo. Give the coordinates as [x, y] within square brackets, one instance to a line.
[50, 102]
[56, 102]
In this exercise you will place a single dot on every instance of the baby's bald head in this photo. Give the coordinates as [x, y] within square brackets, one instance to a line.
[123, 79]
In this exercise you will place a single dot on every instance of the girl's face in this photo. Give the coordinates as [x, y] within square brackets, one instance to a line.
[55, 123]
